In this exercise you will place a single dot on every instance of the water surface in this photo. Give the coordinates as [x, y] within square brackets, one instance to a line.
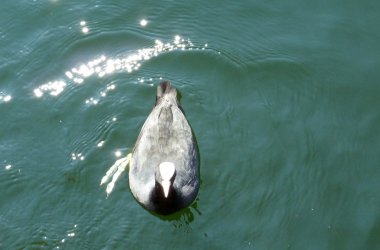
[283, 99]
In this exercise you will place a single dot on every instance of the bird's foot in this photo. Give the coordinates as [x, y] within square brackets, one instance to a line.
[115, 171]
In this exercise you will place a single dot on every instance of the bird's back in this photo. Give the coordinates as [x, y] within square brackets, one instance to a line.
[166, 136]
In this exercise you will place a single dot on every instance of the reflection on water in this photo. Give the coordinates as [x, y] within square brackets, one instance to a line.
[5, 97]
[85, 29]
[103, 65]
[143, 22]
[183, 218]
[103, 93]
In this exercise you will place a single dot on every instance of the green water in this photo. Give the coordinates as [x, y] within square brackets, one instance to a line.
[283, 97]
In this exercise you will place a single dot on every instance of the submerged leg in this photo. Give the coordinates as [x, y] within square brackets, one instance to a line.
[115, 171]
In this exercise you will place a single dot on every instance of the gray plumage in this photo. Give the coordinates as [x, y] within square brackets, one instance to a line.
[166, 136]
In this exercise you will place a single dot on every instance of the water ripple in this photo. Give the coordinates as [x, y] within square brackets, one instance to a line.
[94, 138]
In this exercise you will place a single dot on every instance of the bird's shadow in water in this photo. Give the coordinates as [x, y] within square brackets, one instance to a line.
[183, 218]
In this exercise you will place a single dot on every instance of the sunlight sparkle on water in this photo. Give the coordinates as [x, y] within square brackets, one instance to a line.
[5, 97]
[75, 157]
[118, 153]
[143, 22]
[102, 66]
[102, 94]
[177, 39]
[69, 74]
[111, 87]
[92, 101]
[53, 88]
[85, 29]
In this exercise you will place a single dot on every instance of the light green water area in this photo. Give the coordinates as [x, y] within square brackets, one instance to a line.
[283, 98]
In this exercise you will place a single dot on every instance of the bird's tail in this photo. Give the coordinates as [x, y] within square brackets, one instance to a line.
[165, 88]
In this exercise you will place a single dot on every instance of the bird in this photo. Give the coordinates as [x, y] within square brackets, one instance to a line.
[164, 163]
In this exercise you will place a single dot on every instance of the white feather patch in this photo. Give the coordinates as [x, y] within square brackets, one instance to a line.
[167, 170]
